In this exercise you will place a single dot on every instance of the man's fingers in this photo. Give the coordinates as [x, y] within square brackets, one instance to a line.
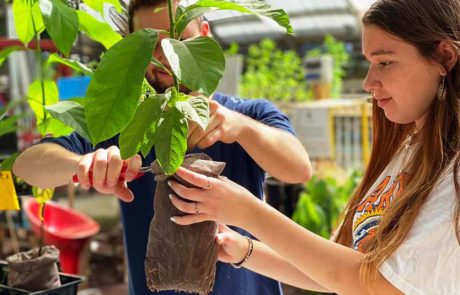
[115, 163]
[99, 168]
[210, 139]
[213, 106]
[123, 193]
[199, 134]
[134, 165]
[83, 170]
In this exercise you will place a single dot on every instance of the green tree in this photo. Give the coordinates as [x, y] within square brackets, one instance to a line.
[340, 57]
[274, 74]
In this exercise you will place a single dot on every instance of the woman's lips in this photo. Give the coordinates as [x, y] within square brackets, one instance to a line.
[381, 102]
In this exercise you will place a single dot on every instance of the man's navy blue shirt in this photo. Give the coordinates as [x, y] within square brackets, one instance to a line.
[240, 168]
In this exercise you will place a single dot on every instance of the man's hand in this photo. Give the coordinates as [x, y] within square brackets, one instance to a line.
[106, 165]
[224, 125]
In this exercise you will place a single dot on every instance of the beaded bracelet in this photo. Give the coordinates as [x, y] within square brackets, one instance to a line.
[251, 247]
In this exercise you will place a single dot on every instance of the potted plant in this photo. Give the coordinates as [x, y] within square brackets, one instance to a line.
[118, 99]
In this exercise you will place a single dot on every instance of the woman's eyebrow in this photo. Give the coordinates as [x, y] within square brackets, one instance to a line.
[382, 52]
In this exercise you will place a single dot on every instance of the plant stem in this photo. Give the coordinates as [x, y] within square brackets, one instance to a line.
[41, 239]
[172, 35]
[38, 58]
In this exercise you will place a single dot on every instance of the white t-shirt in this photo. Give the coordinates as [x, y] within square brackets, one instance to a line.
[428, 260]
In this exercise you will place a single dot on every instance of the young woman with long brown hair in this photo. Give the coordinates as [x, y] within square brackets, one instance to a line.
[400, 231]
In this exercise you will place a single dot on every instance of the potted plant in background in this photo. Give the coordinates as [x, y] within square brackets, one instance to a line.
[119, 100]
[322, 201]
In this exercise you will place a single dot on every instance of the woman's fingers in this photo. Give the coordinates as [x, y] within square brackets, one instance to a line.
[191, 194]
[222, 228]
[187, 207]
[196, 179]
[189, 219]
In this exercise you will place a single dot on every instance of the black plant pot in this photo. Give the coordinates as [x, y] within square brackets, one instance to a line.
[69, 285]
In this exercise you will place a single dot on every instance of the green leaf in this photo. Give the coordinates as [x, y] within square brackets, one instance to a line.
[97, 31]
[54, 58]
[8, 125]
[184, 15]
[5, 52]
[172, 96]
[257, 7]
[7, 164]
[115, 89]
[27, 15]
[98, 5]
[171, 140]
[142, 128]
[42, 195]
[195, 109]
[35, 97]
[116, 4]
[72, 114]
[158, 64]
[53, 127]
[198, 63]
[147, 89]
[61, 23]
[35, 100]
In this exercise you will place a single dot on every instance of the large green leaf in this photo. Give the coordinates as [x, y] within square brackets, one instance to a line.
[5, 52]
[114, 91]
[196, 109]
[8, 125]
[45, 123]
[35, 97]
[98, 5]
[171, 140]
[257, 7]
[53, 127]
[54, 58]
[97, 31]
[28, 20]
[142, 128]
[72, 114]
[198, 63]
[61, 23]
[7, 164]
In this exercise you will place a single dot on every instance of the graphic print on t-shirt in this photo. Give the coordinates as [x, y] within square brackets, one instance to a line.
[371, 209]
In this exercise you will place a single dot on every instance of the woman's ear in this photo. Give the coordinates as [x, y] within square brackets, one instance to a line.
[447, 57]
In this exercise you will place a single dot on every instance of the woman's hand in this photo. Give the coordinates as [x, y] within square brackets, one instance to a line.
[220, 200]
[233, 247]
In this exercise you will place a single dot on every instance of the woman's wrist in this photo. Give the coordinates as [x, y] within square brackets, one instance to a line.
[250, 248]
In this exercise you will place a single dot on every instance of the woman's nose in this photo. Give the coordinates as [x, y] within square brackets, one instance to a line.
[371, 83]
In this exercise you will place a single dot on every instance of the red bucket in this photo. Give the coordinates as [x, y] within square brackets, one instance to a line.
[65, 228]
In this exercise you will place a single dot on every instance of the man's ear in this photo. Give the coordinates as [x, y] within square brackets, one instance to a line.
[205, 29]
[447, 56]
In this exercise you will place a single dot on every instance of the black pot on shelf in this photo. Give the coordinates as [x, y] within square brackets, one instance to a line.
[69, 285]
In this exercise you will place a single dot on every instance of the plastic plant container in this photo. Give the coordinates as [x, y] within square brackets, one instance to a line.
[69, 285]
